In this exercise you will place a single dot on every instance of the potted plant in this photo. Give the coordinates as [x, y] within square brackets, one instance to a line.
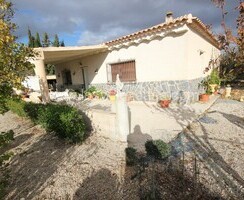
[204, 97]
[89, 93]
[98, 94]
[214, 80]
[112, 94]
[164, 101]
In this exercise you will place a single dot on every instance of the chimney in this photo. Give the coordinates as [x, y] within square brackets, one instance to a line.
[169, 17]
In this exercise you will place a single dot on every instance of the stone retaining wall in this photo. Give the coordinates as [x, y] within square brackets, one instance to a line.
[180, 91]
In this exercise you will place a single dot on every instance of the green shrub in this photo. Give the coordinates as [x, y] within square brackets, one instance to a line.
[32, 110]
[5, 93]
[158, 149]
[214, 77]
[6, 137]
[90, 91]
[94, 92]
[64, 120]
[131, 158]
[16, 106]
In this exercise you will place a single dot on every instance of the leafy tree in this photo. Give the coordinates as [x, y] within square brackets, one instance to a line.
[232, 58]
[50, 69]
[13, 62]
[46, 41]
[13, 68]
[56, 41]
[37, 40]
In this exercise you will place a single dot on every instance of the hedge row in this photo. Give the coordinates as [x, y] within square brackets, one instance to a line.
[63, 120]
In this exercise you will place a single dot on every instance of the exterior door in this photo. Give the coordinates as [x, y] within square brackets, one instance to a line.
[67, 79]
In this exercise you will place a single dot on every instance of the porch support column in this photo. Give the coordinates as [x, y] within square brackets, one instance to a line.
[41, 73]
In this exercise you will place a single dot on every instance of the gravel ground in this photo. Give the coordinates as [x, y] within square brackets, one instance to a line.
[44, 167]
[217, 140]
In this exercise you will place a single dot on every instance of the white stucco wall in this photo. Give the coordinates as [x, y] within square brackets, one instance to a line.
[197, 63]
[75, 69]
[157, 60]
[174, 57]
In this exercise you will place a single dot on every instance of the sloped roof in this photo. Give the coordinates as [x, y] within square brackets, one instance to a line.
[56, 55]
[191, 21]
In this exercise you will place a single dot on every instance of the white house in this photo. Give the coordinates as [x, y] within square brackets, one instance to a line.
[169, 58]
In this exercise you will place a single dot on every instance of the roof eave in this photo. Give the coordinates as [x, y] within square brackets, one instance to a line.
[198, 26]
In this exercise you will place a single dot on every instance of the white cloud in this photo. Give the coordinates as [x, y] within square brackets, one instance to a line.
[102, 20]
[91, 38]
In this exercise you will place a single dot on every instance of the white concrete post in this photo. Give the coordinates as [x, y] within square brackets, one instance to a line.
[41, 73]
[122, 117]
[227, 91]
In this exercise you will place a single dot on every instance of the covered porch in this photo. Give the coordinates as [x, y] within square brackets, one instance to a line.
[58, 56]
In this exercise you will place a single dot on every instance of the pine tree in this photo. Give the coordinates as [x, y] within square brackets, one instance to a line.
[37, 42]
[46, 41]
[56, 41]
[62, 44]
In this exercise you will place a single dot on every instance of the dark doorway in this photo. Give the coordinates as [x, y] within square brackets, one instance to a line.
[67, 79]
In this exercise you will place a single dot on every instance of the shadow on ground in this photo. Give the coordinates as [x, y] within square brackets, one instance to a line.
[101, 185]
[182, 114]
[30, 170]
[238, 121]
[137, 139]
[156, 181]
[225, 177]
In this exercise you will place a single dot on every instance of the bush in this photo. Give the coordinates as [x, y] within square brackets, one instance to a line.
[214, 77]
[5, 93]
[131, 158]
[5, 138]
[16, 106]
[158, 149]
[32, 110]
[64, 120]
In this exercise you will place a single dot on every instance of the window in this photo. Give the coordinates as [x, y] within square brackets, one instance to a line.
[126, 71]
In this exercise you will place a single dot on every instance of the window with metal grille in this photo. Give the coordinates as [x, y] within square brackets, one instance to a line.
[126, 71]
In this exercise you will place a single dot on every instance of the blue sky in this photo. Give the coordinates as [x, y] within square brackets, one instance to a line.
[85, 22]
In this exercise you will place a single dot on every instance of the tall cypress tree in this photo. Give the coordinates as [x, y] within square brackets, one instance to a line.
[56, 41]
[46, 41]
[37, 40]
[62, 44]
[30, 39]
